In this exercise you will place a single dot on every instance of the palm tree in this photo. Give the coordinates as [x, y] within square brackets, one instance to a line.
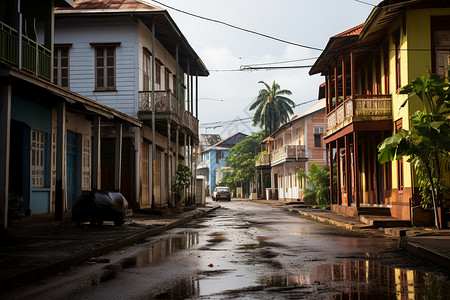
[272, 108]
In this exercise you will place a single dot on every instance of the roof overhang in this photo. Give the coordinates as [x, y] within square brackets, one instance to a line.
[166, 32]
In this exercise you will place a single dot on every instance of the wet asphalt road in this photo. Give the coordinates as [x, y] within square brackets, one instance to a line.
[247, 250]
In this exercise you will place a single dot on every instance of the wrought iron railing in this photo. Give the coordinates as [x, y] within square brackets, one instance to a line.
[36, 58]
[8, 44]
[167, 103]
[288, 151]
[363, 108]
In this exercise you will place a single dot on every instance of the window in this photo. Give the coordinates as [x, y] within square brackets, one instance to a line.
[317, 140]
[158, 66]
[398, 128]
[219, 156]
[146, 70]
[440, 29]
[398, 83]
[37, 159]
[175, 86]
[166, 79]
[105, 67]
[61, 65]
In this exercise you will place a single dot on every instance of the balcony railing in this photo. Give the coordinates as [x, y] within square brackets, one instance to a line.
[263, 159]
[363, 108]
[289, 152]
[36, 59]
[167, 104]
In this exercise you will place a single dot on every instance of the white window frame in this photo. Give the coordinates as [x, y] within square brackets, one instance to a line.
[38, 145]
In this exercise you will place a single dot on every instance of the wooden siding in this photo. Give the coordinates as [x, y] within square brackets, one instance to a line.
[81, 32]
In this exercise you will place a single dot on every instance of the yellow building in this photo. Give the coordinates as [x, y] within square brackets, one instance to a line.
[365, 68]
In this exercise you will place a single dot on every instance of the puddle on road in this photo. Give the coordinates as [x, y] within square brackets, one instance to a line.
[158, 251]
[349, 279]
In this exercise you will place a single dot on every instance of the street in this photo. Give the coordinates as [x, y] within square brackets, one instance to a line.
[248, 250]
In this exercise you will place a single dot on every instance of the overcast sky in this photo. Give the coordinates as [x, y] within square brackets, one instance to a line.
[222, 48]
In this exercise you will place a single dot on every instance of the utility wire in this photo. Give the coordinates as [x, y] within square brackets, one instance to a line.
[237, 27]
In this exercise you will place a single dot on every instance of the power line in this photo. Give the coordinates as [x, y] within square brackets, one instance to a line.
[237, 27]
[284, 62]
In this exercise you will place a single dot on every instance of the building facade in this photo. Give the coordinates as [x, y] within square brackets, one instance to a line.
[131, 56]
[290, 149]
[50, 136]
[365, 69]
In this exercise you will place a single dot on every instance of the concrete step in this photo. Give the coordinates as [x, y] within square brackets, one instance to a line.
[375, 211]
[384, 221]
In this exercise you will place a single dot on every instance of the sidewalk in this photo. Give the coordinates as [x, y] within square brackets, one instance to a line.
[27, 258]
[427, 243]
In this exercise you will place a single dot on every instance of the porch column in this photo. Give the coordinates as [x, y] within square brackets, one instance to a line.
[154, 113]
[178, 88]
[60, 189]
[356, 158]
[96, 155]
[330, 149]
[118, 157]
[188, 96]
[338, 161]
[169, 173]
[344, 78]
[177, 144]
[327, 95]
[284, 184]
[336, 86]
[196, 95]
[5, 135]
[352, 75]
[192, 94]
[262, 185]
[348, 171]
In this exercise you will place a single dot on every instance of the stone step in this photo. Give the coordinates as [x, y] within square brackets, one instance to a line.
[375, 211]
[384, 221]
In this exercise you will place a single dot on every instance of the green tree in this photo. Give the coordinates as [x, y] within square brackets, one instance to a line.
[427, 143]
[240, 163]
[272, 108]
[318, 181]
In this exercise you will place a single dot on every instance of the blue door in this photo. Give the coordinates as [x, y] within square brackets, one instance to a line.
[72, 168]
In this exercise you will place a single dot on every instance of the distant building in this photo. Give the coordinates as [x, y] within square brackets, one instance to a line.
[214, 156]
[291, 148]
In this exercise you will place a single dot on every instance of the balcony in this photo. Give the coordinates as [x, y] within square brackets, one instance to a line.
[363, 108]
[288, 152]
[263, 160]
[166, 104]
[36, 59]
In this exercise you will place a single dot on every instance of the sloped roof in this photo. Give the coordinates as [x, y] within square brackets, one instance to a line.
[226, 143]
[207, 140]
[166, 31]
[111, 4]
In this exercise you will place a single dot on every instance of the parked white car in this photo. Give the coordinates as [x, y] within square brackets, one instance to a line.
[221, 193]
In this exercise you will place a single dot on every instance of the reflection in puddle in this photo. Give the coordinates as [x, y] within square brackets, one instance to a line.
[156, 253]
[349, 279]
[161, 249]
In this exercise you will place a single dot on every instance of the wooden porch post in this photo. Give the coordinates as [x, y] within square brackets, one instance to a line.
[169, 174]
[60, 188]
[352, 75]
[118, 158]
[338, 171]
[336, 86]
[330, 149]
[96, 155]
[344, 77]
[5, 134]
[356, 163]
[348, 176]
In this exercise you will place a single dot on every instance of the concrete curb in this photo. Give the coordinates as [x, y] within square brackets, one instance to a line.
[425, 253]
[42, 271]
[329, 221]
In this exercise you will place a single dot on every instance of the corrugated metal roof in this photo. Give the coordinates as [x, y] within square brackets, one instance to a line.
[110, 4]
[352, 31]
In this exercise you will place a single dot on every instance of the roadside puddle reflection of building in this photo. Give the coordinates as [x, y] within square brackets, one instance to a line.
[164, 248]
[361, 279]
